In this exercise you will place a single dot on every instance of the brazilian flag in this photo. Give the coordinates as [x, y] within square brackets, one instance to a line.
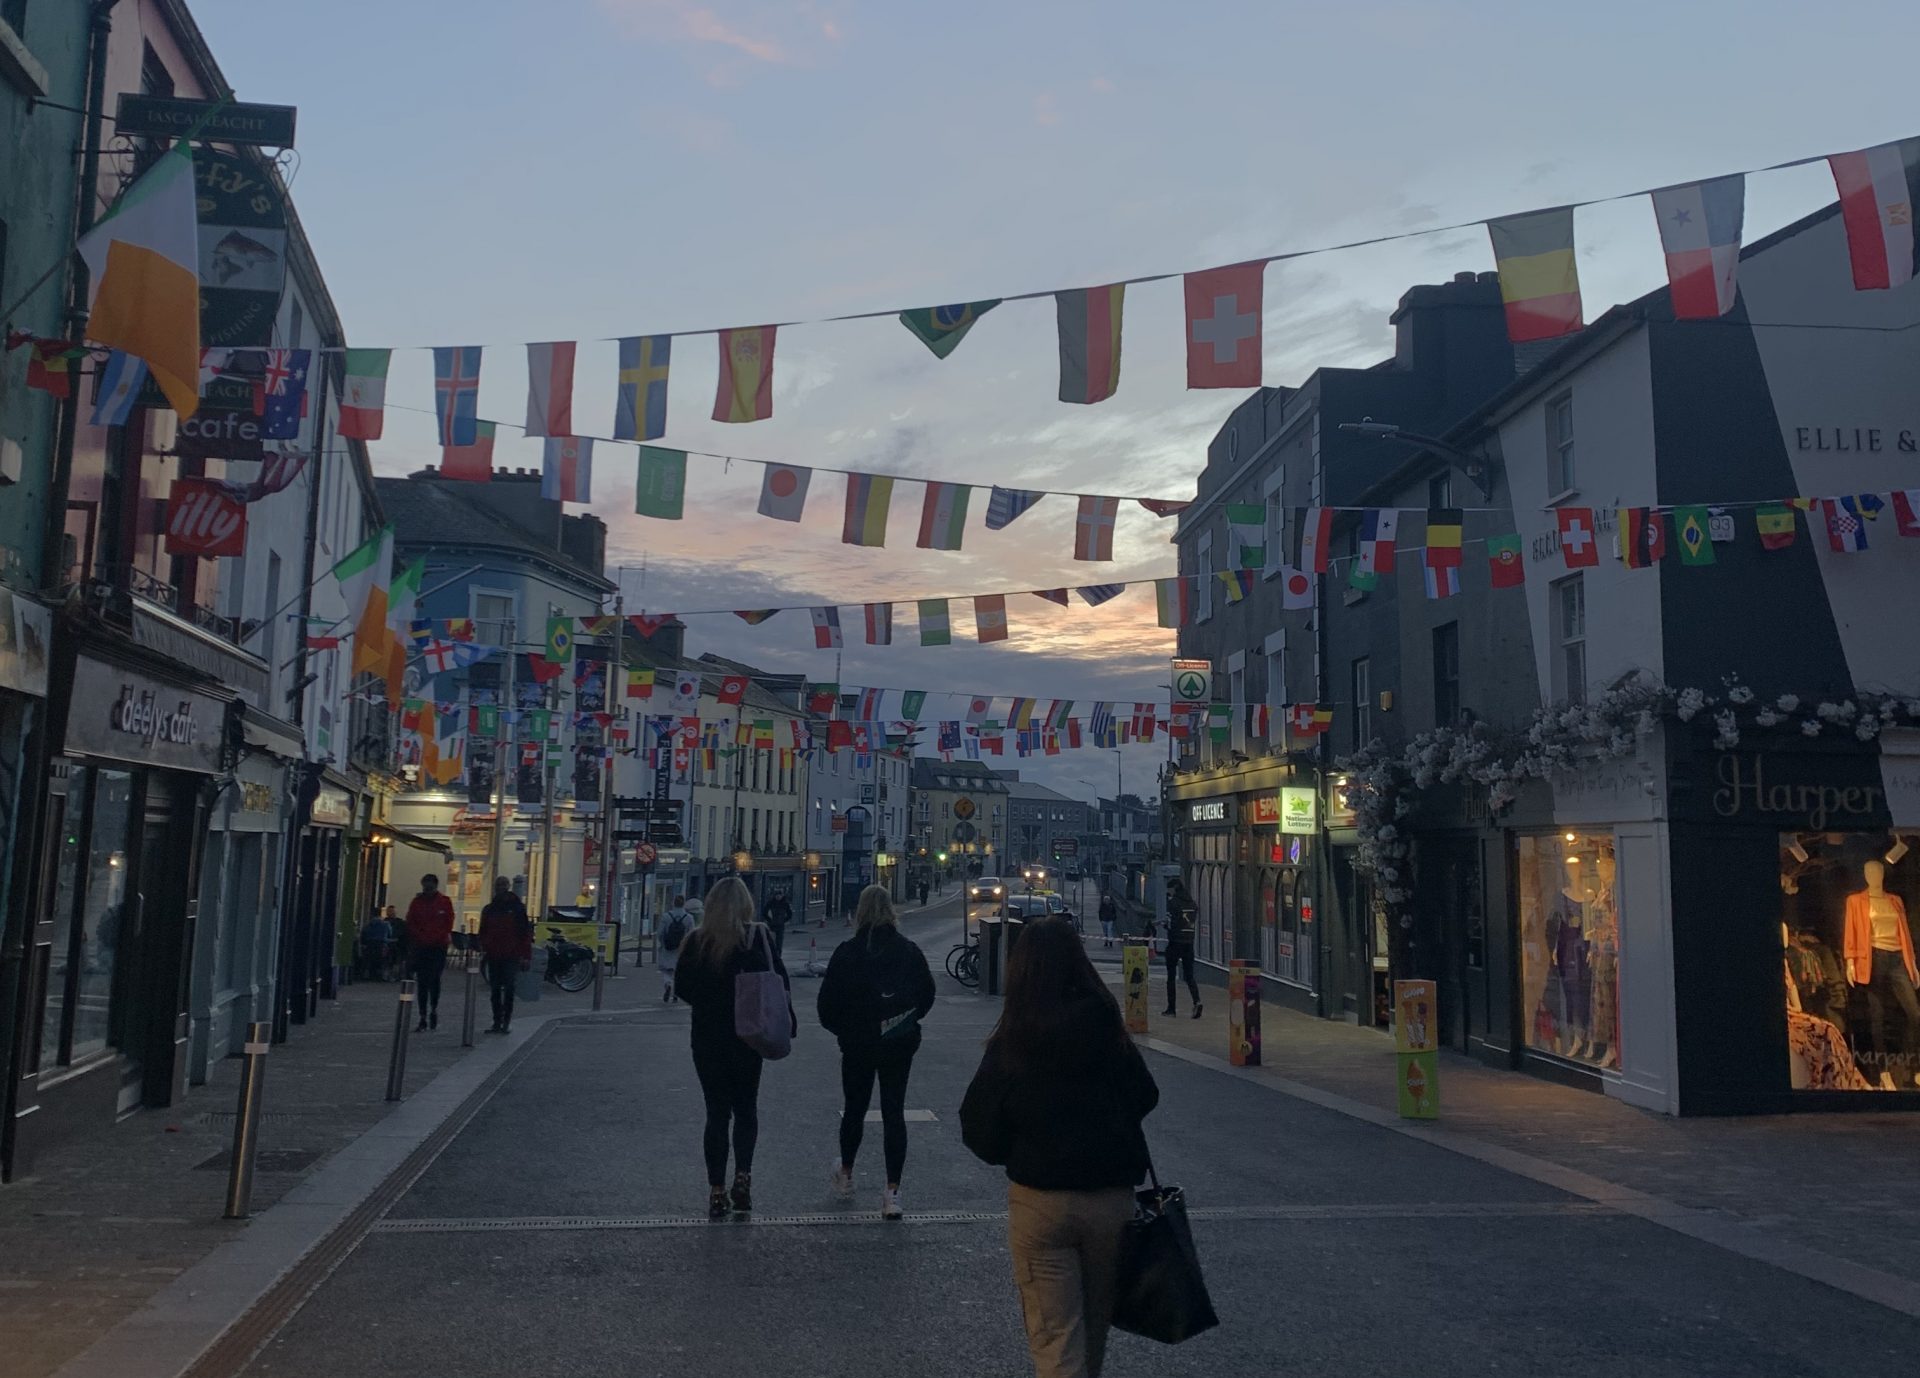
[1696, 544]
[559, 640]
[941, 328]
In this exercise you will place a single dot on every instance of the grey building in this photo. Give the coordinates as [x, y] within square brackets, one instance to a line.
[1044, 825]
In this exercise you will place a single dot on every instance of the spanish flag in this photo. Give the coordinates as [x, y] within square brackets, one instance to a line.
[1539, 281]
[746, 375]
[144, 259]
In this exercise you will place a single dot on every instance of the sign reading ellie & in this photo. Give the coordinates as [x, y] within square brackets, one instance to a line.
[1746, 789]
[125, 716]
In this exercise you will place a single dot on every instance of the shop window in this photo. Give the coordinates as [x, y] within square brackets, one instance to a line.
[1853, 1015]
[1570, 640]
[90, 901]
[1570, 946]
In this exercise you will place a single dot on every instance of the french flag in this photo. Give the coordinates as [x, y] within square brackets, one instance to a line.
[1879, 188]
[1700, 231]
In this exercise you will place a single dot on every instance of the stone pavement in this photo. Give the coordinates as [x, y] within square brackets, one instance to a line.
[106, 1224]
[1842, 1184]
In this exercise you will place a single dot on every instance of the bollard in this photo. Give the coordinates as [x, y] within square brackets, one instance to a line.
[1416, 1041]
[397, 1059]
[1133, 961]
[467, 1015]
[1243, 1012]
[599, 966]
[246, 1121]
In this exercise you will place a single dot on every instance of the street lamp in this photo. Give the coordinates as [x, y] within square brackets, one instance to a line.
[1478, 468]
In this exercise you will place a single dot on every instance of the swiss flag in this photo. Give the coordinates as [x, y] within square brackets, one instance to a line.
[733, 688]
[1578, 543]
[1223, 326]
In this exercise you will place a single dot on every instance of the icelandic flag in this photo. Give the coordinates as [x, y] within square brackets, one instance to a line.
[456, 393]
[120, 383]
[1004, 504]
[1377, 531]
[1700, 227]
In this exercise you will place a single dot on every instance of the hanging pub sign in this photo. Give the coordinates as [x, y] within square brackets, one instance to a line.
[243, 249]
[227, 122]
[204, 519]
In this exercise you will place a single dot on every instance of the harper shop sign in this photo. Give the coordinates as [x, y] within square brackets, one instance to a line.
[1744, 786]
[127, 717]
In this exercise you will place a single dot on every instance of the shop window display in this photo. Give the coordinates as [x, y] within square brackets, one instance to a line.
[1850, 974]
[1570, 946]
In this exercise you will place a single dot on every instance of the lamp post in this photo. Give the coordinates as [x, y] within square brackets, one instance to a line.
[1478, 468]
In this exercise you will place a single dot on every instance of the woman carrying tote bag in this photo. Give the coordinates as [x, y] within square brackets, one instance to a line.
[726, 953]
[1058, 1102]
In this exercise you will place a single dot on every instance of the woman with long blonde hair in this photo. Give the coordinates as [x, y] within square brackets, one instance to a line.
[727, 943]
[876, 991]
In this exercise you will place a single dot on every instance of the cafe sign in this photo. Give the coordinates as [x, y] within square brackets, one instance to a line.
[124, 716]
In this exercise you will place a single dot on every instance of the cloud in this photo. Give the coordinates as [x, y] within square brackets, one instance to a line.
[775, 34]
[1045, 111]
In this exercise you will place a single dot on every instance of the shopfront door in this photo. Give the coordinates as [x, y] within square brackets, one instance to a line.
[1457, 934]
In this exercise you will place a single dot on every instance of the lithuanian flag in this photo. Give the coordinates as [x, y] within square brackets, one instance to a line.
[1539, 281]
[144, 261]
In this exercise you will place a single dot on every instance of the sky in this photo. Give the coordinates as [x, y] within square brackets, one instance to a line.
[500, 171]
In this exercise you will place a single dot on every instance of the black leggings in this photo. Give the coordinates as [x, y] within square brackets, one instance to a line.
[1891, 984]
[428, 963]
[892, 1064]
[1179, 955]
[730, 1083]
[501, 974]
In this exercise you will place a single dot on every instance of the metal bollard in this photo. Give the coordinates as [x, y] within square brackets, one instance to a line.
[397, 1059]
[467, 1015]
[599, 980]
[246, 1121]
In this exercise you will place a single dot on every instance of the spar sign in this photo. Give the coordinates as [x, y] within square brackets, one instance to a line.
[1192, 681]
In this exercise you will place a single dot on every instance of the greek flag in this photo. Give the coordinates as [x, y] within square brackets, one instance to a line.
[1105, 733]
[1007, 503]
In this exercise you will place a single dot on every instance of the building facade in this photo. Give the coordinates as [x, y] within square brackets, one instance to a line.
[1044, 826]
[960, 812]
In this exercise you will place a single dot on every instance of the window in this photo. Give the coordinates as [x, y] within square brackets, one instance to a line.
[1203, 569]
[1560, 471]
[1440, 491]
[298, 327]
[1276, 654]
[269, 633]
[14, 14]
[1570, 640]
[1275, 489]
[1570, 946]
[90, 906]
[1362, 686]
[1446, 674]
[492, 611]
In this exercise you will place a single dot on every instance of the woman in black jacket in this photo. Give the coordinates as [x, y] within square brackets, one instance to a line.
[726, 943]
[876, 991]
[1058, 1101]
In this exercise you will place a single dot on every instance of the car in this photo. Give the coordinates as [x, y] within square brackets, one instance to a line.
[985, 890]
[1040, 906]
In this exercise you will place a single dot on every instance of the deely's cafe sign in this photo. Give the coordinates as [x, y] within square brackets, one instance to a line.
[124, 716]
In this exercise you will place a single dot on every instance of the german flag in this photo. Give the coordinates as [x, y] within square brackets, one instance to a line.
[1643, 537]
[1539, 281]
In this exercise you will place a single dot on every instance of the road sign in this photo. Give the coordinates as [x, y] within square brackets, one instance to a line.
[1066, 846]
[227, 122]
[1192, 681]
[645, 854]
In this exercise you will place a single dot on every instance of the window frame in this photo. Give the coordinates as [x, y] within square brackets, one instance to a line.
[1569, 645]
[1562, 459]
[1360, 686]
[1203, 568]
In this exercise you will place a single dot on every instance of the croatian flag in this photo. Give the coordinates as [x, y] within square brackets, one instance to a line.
[566, 469]
[1846, 531]
[1700, 231]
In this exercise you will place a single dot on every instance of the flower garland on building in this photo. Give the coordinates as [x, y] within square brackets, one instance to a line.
[1565, 736]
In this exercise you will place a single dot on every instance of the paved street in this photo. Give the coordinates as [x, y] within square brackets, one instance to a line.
[562, 1232]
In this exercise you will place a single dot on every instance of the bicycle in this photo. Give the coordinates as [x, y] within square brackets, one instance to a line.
[963, 963]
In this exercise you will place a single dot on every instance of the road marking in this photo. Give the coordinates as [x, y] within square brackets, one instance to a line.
[1419, 1210]
[1735, 1236]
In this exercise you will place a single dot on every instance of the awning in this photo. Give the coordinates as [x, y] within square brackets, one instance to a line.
[386, 832]
[267, 733]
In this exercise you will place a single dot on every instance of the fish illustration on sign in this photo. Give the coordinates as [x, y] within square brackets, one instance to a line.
[237, 254]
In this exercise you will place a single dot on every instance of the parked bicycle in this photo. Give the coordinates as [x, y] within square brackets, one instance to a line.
[569, 965]
[963, 963]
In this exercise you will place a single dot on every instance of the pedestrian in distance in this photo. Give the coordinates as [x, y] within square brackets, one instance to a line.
[875, 994]
[1109, 916]
[506, 948]
[375, 938]
[727, 943]
[923, 892]
[673, 936]
[779, 913]
[429, 930]
[1180, 946]
[1058, 1102]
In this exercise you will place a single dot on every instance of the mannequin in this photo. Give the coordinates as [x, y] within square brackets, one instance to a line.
[1818, 1058]
[1604, 957]
[1879, 956]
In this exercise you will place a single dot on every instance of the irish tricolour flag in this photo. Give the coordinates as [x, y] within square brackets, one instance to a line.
[143, 258]
[365, 577]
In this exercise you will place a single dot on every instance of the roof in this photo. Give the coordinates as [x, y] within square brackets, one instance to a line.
[1038, 793]
[421, 509]
[930, 774]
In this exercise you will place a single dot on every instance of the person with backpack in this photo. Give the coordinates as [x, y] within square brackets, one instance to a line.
[1109, 916]
[506, 948]
[1058, 1101]
[679, 923]
[716, 962]
[876, 992]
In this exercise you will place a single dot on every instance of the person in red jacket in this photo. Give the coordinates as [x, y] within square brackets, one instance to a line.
[429, 930]
[506, 944]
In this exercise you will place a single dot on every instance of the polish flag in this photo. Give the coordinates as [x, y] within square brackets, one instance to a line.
[550, 388]
[1879, 189]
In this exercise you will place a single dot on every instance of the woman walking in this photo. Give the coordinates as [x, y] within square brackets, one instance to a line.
[876, 991]
[727, 943]
[1058, 1101]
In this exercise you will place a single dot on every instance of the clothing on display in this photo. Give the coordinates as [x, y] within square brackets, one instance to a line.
[1570, 946]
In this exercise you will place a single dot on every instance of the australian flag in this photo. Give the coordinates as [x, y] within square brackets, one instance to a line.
[949, 736]
[280, 395]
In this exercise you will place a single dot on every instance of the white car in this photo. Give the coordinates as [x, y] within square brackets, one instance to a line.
[985, 890]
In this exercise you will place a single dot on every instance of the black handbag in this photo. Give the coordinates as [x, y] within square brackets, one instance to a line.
[1161, 1295]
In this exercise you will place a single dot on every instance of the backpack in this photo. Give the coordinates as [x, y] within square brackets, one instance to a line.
[676, 933]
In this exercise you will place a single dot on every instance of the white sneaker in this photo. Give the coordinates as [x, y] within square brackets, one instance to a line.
[842, 1182]
[890, 1204]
